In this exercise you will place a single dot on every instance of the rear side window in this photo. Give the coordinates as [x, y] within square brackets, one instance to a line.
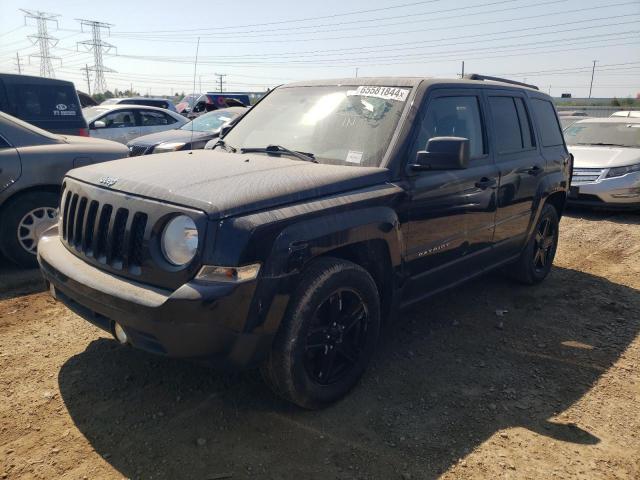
[547, 122]
[452, 117]
[511, 124]
[46, 102]
[506, 124]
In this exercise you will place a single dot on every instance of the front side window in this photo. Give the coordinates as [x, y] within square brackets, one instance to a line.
[547, 122]
[452, 117]
[119, 119]
[616, 134]
[340, 125]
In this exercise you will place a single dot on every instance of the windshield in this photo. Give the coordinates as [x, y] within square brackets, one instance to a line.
[91, 113]
[617, 134]
[209, 122]
[341, 125]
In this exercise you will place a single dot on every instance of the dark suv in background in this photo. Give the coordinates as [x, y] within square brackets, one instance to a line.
[50, 104]
[327, 207]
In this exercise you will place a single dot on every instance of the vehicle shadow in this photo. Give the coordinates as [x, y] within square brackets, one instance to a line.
[454, 371]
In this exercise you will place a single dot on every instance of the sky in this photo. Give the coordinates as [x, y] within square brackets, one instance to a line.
[258, 44]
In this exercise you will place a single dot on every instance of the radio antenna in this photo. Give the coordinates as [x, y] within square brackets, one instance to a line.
[195, 72]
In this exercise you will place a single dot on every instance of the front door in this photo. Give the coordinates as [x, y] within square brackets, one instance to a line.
[451, 212]
[119, 126]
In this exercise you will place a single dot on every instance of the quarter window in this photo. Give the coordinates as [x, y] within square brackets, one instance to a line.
[452, 117]
[547, 122]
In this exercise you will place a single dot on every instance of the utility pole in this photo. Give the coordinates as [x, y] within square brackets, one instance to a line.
[356, 72]
[462, 73]
[18, 63]
[220, 77]
[43, 40]
[98, 47]
[86, 72]
[593, 71]
[200, 82]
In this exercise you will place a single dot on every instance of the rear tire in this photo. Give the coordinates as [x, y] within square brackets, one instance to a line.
[537, 257]
[23, 220]
[328, 335]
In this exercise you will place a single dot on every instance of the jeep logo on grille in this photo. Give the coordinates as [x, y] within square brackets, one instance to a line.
[108, 181]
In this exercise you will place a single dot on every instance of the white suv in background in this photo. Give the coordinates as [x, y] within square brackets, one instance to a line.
[606, 167]
[123, 123]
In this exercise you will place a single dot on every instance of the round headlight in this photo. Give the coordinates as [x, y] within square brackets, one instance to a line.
[180, 240]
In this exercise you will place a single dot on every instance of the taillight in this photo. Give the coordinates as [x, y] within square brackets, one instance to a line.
[83, 132]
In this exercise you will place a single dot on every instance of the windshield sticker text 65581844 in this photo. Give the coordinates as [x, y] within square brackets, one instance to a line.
[386, 93]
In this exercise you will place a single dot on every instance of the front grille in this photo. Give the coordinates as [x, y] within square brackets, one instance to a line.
[112, 236]
[585, 175]
[136, 150]
[119, 233]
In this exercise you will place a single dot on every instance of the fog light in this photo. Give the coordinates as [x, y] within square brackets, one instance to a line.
[120, 334]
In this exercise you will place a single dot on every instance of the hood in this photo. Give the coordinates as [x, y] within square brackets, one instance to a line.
[603, 157]
[225, 184]
[176, 135]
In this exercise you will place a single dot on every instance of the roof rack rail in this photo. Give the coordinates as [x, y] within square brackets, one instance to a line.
[477, 76]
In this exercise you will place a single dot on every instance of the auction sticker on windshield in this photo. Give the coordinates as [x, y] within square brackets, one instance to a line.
[386, 93]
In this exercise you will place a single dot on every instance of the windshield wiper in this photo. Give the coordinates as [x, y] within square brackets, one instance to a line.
[227, 148]
[307, 157]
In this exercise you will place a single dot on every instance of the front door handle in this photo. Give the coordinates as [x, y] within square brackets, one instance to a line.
[486, 182]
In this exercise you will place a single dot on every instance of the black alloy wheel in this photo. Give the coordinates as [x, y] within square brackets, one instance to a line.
[337, 337]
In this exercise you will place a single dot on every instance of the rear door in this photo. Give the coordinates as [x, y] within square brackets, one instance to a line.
[521, 167]
[451, 212]
[120, 126]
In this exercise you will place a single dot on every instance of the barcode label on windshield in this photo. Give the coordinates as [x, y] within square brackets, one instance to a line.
[386, 93]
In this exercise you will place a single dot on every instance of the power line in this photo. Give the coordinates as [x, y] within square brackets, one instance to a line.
[98, 47]
[280, 22]
[43, 40]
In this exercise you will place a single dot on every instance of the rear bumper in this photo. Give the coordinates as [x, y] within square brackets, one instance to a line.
[617, 193]
[198, 321]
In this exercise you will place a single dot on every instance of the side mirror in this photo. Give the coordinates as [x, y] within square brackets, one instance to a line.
[224, 130]
[98, 124]
[443, 153]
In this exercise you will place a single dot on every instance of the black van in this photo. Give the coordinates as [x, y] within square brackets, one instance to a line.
[47, 103]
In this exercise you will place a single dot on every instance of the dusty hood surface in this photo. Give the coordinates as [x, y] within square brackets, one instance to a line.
[603, 157]
[224, 184]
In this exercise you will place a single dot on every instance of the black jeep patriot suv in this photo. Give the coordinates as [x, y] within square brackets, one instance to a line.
[327, 207]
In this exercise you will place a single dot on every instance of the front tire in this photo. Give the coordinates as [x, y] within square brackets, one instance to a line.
[537, 257]
[23, 220]
[328, 335]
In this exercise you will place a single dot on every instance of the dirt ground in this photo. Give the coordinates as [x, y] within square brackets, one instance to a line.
[494, 380]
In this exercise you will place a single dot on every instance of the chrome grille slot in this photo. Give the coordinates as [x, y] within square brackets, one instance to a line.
[67, 202]
[136, 241]
[87, 240]
[102, 234]
[77, 237]
[117, 250]
[71, 217]
[585, 175]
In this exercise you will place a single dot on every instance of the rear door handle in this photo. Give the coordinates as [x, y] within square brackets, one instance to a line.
[532, 170]
[485, 182]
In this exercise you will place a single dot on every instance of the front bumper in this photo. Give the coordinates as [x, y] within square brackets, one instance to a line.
[198, 321]
[619, 192]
